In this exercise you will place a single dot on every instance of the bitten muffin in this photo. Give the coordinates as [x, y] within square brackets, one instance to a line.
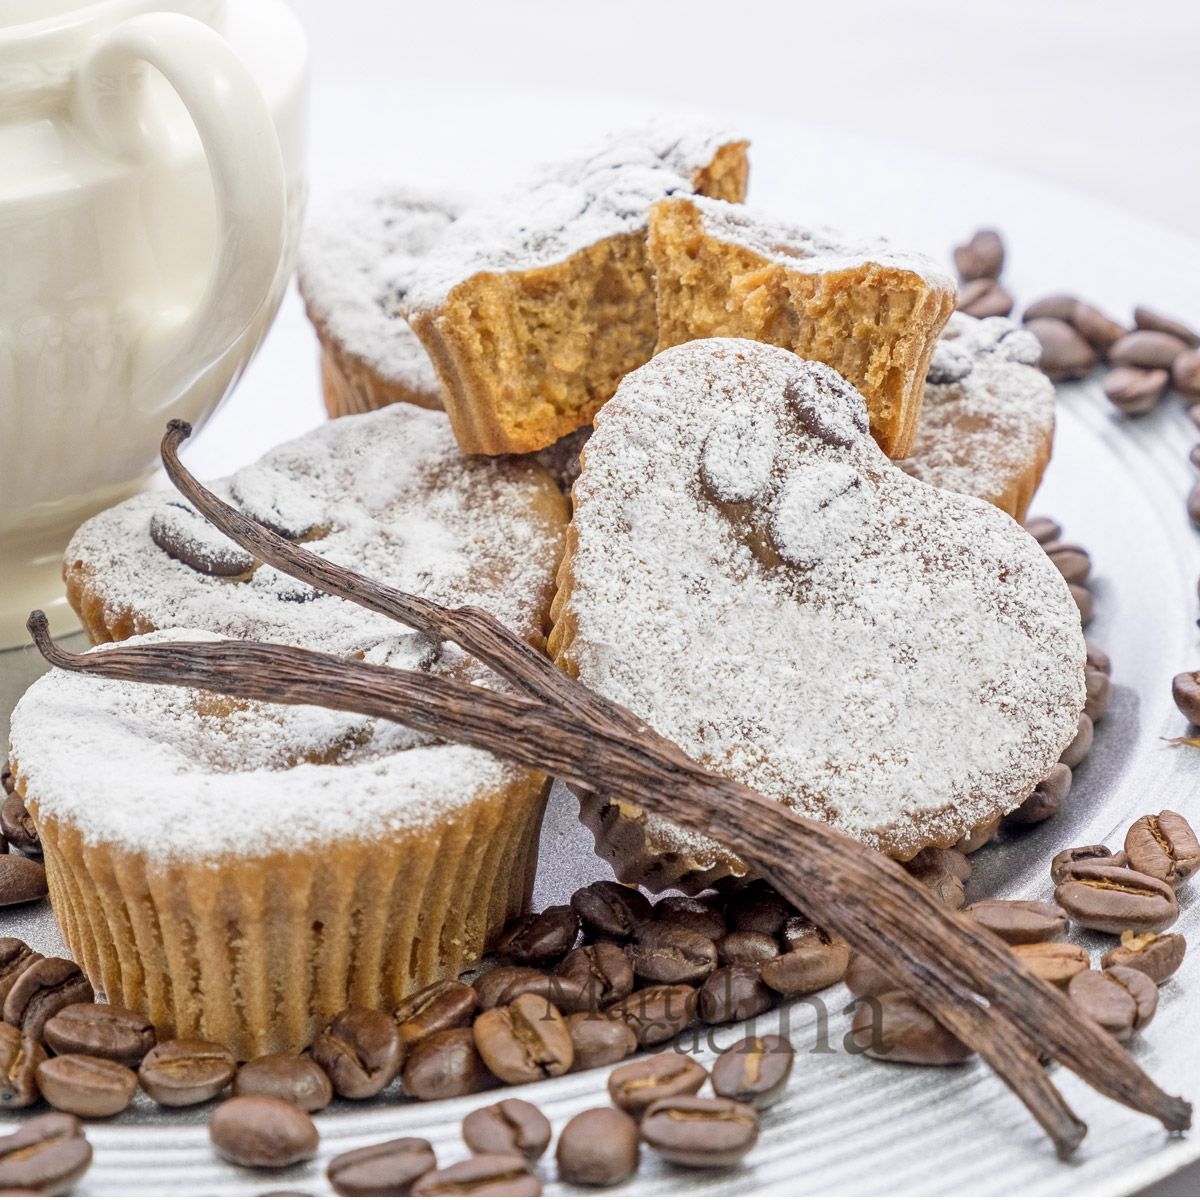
[534, 306]
[748, 573]
[241, 871]
[871, 312]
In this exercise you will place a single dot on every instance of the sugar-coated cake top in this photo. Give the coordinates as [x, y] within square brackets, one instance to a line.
[358, 256]
[755, 579]
[987, 410]
[566, 206]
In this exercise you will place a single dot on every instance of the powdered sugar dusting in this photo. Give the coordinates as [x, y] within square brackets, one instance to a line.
[898, 660]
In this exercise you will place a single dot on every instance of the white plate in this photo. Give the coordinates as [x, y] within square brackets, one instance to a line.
[847, 1125]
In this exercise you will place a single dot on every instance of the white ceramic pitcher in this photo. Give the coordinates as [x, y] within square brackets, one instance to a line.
[151, 191]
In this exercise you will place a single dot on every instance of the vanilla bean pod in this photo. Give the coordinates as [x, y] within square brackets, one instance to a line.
[948, 962]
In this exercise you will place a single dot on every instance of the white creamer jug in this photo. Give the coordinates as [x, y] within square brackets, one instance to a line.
[151, 193]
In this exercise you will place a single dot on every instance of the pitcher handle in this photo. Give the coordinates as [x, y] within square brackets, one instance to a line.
[245, 164]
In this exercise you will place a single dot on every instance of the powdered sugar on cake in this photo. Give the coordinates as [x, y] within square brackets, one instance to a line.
[801, 615]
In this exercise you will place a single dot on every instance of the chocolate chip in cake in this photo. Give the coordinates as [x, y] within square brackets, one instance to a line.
[184, 534]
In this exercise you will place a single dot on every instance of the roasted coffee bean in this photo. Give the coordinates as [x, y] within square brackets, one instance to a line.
[510, 1127]
[1097, 660]
[866, 978]
[1193, 502]
[1099, 331]
[1066, 353]
[977, 838]
[17, 825]
[610, 911]
[814, 960]
[1060, 308]
[8, 781]
[1055, 962]
[1185, 373]
[182, 1072]
[86, 1086]
[385, 1169]
[46, 1156]
[981, 258]
[1121, 1000]
[445, 1064]
[1113, 899]
[361, 1052]
[598, 1148]
[539, 939]
[754, 1071]
[657, 1014]
[1164, 846]
[943, 872]
[741, 948]
[1044, 801]
[101, 1030]
[1018, 921]
[1144, 318]
[1158, 955]
[21, 880]
[15, 959]
[260, 1131]
[1099, 693]
[525, 1041]
[1065, 860]
[695, 1131]
[686, 912]
[1185, 688]
[758, 908]
[502, 985]
[600, 974]
[1043, 529]
[1194, 453]
[1077, 751]
[1146, 348]
[293, 1078]
[900, 1030]
[19, 1060]
[734, 994]
[599, 1040]
[672, 954]
[1073, 562]
[1083, 602]
[984, 298]
[483, 1175]
[447, 1004]
[43, 989]
[1135, 390]
[636, 1086]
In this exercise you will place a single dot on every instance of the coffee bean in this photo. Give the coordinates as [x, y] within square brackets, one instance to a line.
[977, 838]
[20, 1057]
[86, 1086]
[483, 1175]
[17, 825]
[1193, 506]
[600, 974]
[1113, 899]
[502, 985]
[1185, 373]
[1158, 955]
[445, 1005]
[293, 1078]
[1083, 602]
[984, 298]
[102, 1031]
[902, 1031]
[385, 1169]
[1164, 846]
[1120, 1000]
[943, 872]
[1097, 660]
[1017, 921]
[981, 258]
[1073, 562]
[1135, 390]
[636, 1086]
[1043, 530]
[866, 978]
[1081, 743]
[525, 1041]
[47, 1155]
[599, 1041]
[815, 959]
[1185, 688]
[1065, 860]
[1194, 456]
[361, 1052]
[1099, 331]
[1065, 352]
[15, 959]
[443, 1065]
[1044, 801]
[510, 1127]
[180, 1072]
[657, 1014]
[1055, 962]
[672, 954]
[695, 1131]
[8, 781]
[1146, 348]
[1099, 693]
[539, 938]
[685, 912]
[1144, 318]
[758, 908]
[734, 994]
[260, 1131]
[21, 880]
[1059, 308]
[184, 534]
[754, 1071]
[741, 948]
[598, 1148]
[43, 989]
[610, 911]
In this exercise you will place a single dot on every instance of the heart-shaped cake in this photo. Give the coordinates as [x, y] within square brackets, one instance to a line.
[748, 572]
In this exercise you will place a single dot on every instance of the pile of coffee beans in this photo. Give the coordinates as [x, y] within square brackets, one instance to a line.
[979, 263]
